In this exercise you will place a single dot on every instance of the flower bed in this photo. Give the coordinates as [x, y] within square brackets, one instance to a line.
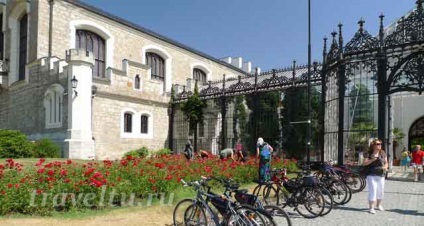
[67, 185]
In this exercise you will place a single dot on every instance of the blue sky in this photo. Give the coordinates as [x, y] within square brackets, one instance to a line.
[270, 33]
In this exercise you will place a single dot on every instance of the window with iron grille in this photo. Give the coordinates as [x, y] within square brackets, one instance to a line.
[127, 122]
[199, 76]
[23, 38]
[92, 42]
[157, 65]
[144, 123]
[137, 82]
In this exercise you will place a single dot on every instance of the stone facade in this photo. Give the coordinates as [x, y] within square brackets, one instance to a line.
[87, 121]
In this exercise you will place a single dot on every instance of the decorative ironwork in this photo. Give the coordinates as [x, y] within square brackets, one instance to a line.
[410, 77]
[239, 86]
[361, 41]
[409, 29]
[210, 90]
[184, 94]
[333, 54]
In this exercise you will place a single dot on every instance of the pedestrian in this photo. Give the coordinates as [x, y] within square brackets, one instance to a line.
[417, 162]
[205, 154]
[405, 160]
[263, 152]
[188, 150]
[377, 166]
[227, 153]
[238, 149]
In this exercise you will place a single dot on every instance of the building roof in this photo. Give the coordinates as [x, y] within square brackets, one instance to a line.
[150, 32]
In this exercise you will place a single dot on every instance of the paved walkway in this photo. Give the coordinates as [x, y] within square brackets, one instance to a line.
[404, 204]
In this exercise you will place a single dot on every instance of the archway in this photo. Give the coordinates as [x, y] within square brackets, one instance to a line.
[416, 133]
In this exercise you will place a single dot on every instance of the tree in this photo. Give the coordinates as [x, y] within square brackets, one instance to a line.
[361, 115]
[295, 109]
[361, 106]
[193, 110]
[263, 118]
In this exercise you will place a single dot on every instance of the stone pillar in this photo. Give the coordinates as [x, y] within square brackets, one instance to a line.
[79, 142]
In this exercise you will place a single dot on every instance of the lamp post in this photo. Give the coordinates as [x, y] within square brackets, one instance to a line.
[74, 82]
[309, 133]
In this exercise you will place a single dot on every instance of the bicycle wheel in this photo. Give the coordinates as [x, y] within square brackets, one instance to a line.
[310, 202]
[245, 215]
[270, 195]
[328, 198]
[179, 210]
[339, 191]
[257, 190]
[279, 215]
[195, 215]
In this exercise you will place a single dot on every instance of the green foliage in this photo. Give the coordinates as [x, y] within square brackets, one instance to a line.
[138, 153]
[263, 118]
[14, 144]
[361, 105]
[45, 148]
[163, 151]
[295, 109]
[193, 108]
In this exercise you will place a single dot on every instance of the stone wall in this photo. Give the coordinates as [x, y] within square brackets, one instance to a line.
[128, 42]
[22, 108]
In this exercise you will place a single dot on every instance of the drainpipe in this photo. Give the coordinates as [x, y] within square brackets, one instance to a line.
[51, 2]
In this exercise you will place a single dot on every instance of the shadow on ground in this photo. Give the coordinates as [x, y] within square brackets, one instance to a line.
[406, 212]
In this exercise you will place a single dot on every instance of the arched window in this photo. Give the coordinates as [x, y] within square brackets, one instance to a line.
[127, 122]
[23, 38]
[199, 76]
[92, 42]
[157, 65]
[53, 106]
[137, 82]
[144, 124]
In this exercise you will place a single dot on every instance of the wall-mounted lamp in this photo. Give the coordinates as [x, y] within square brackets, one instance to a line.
[74, 82]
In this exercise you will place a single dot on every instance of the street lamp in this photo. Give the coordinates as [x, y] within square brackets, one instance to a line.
[74, 82]
[309, 132]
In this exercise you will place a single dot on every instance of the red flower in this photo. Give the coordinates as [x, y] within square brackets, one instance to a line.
[17, 185]
[169, 177]
[40, 171]
[39, 191]
[9, 185]
[63, 172]
[68, 161]
[89, 171]
[50, 172]
[67, 180]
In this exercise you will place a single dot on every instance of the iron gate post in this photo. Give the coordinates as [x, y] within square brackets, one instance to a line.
[342, 87]
[323, 96]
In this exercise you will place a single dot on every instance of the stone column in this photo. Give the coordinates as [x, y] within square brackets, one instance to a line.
[79, 142]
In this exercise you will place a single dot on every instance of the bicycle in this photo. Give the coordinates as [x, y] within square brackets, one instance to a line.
[195, 213]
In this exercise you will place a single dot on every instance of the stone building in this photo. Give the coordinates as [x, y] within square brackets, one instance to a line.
[94, 83]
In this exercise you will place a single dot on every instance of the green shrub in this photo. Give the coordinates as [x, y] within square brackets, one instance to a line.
[45, 148]
[139, 153]
[163, 151]
[14, 144]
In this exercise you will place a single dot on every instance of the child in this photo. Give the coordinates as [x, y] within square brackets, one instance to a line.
[404, 163]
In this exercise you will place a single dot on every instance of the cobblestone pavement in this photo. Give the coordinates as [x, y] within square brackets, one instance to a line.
[403, 203]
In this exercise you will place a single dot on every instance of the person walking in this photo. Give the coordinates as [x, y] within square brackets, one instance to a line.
[417, 162]
[377, 164]
[263, 152]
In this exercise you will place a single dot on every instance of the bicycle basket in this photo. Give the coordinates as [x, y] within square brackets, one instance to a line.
[244, 198]
[310, 181]
[220, 204]
[290, 186]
